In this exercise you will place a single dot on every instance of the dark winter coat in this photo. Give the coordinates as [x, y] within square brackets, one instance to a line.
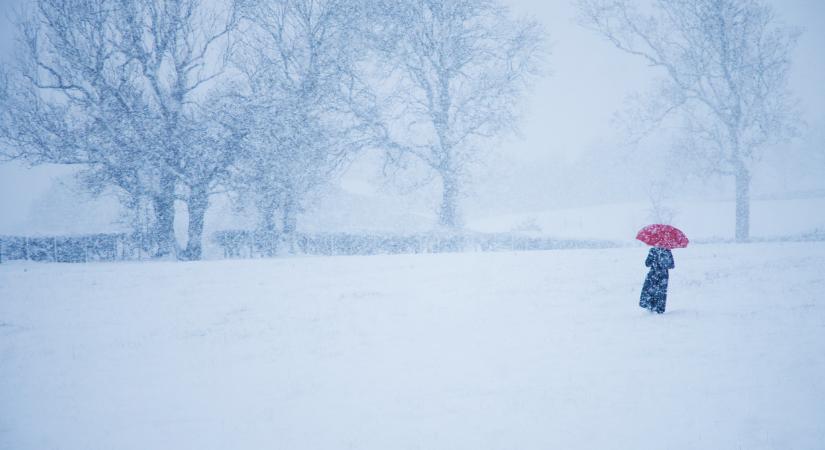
[654, 291]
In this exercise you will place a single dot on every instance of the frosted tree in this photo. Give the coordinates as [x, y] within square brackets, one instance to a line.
[458, 69]
[724, 67]
[214, 133]
[300, 60]
[112, 85]
[63, 94]
[178, 47]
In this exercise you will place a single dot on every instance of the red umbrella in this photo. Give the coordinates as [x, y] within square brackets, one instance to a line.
[664, 236]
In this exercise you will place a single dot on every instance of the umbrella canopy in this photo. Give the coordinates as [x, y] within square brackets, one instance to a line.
[664, 236]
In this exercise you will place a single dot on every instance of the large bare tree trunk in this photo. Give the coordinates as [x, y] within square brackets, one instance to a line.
[743, 199]
[197, 203]
[289, 220]
[448, 212]
[267, 233]
[163, 204]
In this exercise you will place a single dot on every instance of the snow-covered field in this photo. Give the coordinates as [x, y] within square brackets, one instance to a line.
[543, 350]
[699, 220]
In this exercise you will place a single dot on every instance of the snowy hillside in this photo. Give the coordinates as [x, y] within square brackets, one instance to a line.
[531, 350]
[700, 220]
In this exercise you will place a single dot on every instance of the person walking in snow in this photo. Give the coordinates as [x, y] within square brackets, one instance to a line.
[654, 291]
[662, 238]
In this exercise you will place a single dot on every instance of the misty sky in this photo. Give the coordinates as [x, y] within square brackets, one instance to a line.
[568, 114]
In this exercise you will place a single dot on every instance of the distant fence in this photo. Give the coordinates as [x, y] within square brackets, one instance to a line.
[84, 248]
[251, 244]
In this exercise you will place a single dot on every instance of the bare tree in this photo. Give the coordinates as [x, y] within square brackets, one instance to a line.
[214, 133]
[300, 60]
[110, 85]
[179, 47]
[725, 69]
[459, 68]
[66, 88]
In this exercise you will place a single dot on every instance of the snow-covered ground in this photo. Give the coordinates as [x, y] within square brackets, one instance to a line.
[533, 350]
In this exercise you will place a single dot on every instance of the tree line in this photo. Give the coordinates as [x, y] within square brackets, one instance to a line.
[164, 101]
[177, 100]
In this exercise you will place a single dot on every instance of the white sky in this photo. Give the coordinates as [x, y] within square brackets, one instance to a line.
[572, 108]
